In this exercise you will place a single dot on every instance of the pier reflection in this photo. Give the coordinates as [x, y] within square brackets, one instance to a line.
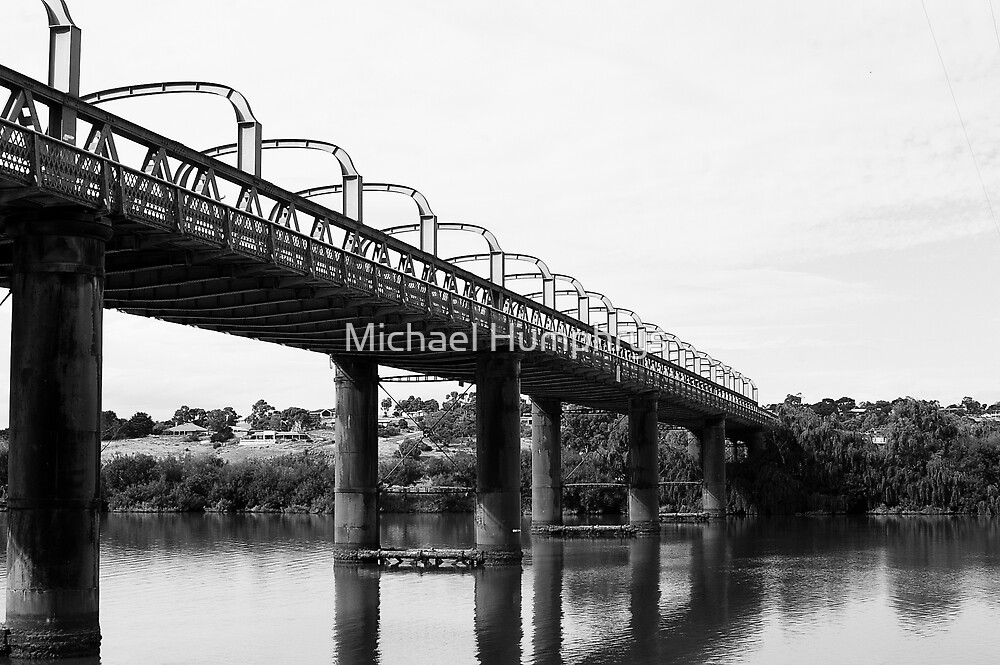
[356, 614]
[498, 614]
[548, 556]
[644, 598]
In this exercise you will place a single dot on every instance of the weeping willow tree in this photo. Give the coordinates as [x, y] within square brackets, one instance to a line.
[928, 459]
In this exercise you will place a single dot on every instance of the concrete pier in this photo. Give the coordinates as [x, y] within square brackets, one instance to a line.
[713, 466]
[498, 452]
[55, 419]
[546, 463]
[643, 464]
[355, 512]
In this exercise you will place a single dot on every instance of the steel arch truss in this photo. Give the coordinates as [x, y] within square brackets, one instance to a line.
[202, 227]
[248, 128]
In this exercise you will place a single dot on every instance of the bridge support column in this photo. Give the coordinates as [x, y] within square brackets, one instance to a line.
[56, 351]
[643, 464]
[713, 466]
[756, 444]
[498, 457]
[355, 511]
[546, 463]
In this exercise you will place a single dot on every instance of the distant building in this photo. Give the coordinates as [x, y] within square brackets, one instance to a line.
[185, 430]
[879, 436]
[323, 416]
[272, 436]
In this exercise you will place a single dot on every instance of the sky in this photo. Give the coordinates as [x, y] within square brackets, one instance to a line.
[785, 185]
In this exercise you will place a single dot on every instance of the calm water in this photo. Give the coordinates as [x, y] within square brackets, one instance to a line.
[263, 589]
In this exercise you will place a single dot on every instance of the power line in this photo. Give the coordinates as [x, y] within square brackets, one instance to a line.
[954, 99]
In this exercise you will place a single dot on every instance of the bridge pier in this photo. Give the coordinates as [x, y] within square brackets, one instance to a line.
[713, 466]
[546, 463]
[498, 457]
[53, 502]
[643, 464]
[355, 511]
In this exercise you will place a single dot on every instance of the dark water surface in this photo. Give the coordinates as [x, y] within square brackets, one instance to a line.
[263, 589]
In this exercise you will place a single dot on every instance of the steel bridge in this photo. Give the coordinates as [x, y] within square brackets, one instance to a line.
[98, 212]
[300, 274]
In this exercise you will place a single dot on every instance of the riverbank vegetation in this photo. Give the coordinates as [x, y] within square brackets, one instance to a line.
[834, 456]
[907, 455]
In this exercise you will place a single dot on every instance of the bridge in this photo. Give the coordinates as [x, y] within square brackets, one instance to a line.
[98, 212]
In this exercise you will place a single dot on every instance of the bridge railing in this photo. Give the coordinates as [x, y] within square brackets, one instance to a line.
[94, 177]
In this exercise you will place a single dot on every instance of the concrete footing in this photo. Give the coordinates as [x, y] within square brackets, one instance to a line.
[55, 417]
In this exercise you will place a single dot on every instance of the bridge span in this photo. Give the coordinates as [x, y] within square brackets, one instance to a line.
[97, 212]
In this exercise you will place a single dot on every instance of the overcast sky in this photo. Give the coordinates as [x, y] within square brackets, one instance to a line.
[785, 185]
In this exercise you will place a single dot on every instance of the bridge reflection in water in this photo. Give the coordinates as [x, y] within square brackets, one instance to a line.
[604, 579]
[824, 590]
[248, 589]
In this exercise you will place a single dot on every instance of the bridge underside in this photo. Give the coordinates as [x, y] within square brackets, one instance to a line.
[175, 278]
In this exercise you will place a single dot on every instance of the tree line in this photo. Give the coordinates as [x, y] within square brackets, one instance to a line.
[903, 455]
[218, 422]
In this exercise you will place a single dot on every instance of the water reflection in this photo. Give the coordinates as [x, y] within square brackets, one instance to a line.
[263, 589]
[498, 615]
[547, 558]
[356, 614]
[644, 599]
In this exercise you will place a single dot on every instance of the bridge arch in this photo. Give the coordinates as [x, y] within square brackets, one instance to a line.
[428, 220]
[249, 130]
[548, 279]
[640, 327]
[352, 179]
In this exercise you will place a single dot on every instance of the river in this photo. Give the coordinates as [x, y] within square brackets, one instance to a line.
[246, 589]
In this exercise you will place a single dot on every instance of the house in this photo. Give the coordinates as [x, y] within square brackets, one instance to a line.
[323, 416]
[272, 436]
[879, 436]
[186, 429]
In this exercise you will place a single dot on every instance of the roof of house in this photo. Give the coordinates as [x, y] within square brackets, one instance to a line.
[187, 427]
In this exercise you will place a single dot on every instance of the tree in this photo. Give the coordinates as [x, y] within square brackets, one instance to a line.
[297, 418]
[197, 416]
[260, 414]
[825, 407]
[182, 415]
[219, 419]
[111, 425]
[386, 405]
[972, 407]
[139, 425]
